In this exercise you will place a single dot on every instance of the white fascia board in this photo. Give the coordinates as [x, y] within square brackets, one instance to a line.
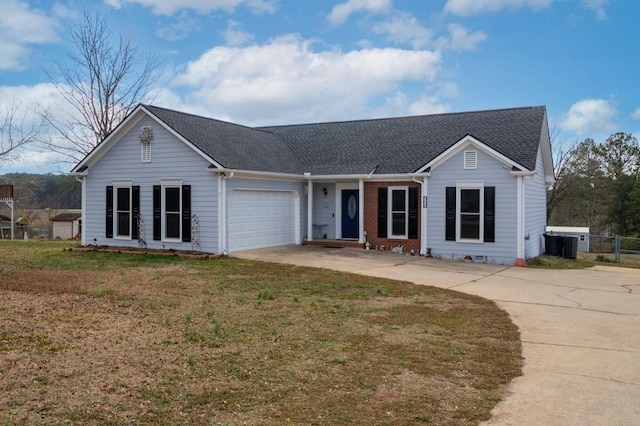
[523, 172]
[317, 178]
[366, 177]
[100, 149]
[547, 157]
[259, 175]
[128, 123]
[185, 141]
[464, 143]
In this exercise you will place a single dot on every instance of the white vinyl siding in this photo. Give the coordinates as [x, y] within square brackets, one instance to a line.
[492, 173]
[536, 210]
[171, 158]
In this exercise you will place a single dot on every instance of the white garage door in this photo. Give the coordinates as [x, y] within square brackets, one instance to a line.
[260, 219]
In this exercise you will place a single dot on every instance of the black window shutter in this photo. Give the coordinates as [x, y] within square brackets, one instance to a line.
[382, 212]
[450, 227]
[157, 212]
[135, 212]
[109, 215]
[413, 213]
[186, 213]
[489, 214]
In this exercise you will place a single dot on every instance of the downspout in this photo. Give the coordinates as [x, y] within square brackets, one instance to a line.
[223, 212]
[361, 239]
[220, 215]
[83, 209]
[520, 260]
[309, 208]
[423, 215]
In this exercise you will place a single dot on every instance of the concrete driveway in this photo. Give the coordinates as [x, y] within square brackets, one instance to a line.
[580, 329]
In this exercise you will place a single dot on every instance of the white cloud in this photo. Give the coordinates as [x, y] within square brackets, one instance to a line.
[636, 114]
[399, 104]
[30, 101]
[234, 35]
[598, 6]
[461, 39]
[21, 26]
[341, 12]
[404, 28]
[589, 116]
[181, 28]
[169, 7]
[247, 85]
[472, 7]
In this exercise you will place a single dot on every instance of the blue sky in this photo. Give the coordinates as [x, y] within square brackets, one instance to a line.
[262, 62]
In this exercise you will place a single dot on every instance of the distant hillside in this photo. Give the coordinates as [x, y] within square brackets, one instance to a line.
[47, 191]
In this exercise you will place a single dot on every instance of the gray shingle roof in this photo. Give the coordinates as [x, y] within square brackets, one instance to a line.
[231, 145]
[66, 217]
[391, 145]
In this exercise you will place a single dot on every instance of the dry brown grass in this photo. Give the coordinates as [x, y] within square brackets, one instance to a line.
[98, 338]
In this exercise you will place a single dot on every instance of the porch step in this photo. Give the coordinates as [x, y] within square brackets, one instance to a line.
[333, 243]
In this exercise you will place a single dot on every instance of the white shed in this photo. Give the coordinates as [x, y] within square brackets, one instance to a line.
[582, 232]
[66, 225]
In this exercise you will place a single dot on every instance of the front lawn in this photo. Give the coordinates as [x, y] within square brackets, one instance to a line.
[104, 338]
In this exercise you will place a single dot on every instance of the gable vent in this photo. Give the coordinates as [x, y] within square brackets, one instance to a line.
[470, 160]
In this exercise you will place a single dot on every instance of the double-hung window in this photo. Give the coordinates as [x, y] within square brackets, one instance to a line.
[171, 215]
[123, 212]
[399, 212]
[470, 212]
[172, 211]
[123, 208]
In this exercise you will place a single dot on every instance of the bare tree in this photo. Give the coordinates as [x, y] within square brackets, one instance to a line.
[102, 81]
[18, 127]
[563, 153]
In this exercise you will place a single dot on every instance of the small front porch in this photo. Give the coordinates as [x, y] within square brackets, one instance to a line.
[334, 243]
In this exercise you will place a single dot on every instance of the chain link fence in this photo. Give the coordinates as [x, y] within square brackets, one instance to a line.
[621, 249]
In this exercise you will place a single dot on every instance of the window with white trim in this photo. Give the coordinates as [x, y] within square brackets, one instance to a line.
[172, 211]
[398, 211]
[470, 208]
[122, 209]
[470, 212]
[172, 203]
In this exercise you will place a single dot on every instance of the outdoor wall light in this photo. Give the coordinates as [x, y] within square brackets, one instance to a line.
[324, 191]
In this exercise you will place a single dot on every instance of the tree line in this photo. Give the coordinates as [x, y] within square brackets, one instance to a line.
[598, 185]
[42, 191]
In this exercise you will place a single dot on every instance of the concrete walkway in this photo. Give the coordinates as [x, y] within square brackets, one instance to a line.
[580, 329]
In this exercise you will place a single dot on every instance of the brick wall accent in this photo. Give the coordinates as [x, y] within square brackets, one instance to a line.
[371, 217]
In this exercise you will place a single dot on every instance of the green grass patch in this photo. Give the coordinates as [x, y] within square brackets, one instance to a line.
[556, 262]
[100, 338]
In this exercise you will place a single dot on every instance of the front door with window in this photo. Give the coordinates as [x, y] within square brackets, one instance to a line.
[350, 215]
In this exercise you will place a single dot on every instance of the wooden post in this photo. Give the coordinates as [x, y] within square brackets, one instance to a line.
[6, 195]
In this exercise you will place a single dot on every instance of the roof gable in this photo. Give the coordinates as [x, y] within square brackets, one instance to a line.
[463, 144]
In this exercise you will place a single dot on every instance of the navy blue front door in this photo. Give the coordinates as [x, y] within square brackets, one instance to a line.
[350, 213]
